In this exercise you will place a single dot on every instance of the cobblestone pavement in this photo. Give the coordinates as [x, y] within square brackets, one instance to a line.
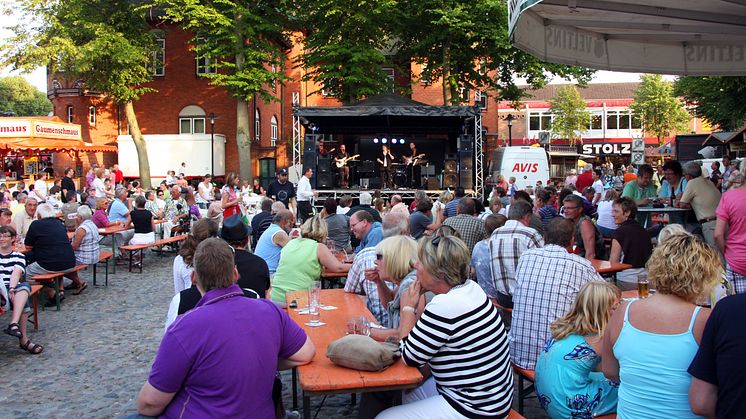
[99, 348]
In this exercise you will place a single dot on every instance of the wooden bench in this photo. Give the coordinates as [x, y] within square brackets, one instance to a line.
[103, 257]
[524, 390]
[34, 300]
[139, 248]
[56, 279]
[515, 415]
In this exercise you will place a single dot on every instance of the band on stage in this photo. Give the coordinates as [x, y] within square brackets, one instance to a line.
[403, 171]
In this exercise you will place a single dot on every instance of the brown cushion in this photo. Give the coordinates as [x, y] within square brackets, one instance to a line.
[362, 353]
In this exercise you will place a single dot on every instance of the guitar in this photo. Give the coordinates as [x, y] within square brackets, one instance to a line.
[343, 161]
[410, 160]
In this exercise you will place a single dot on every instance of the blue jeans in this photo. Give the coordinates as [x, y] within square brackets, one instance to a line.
[606, 232]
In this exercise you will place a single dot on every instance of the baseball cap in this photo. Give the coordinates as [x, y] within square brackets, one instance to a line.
[283, 172]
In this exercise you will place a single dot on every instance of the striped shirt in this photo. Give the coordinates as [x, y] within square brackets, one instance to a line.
[507, 243]
[547, 282]
[8, 263]
[461, 337]
[88, 252]
[357, 284]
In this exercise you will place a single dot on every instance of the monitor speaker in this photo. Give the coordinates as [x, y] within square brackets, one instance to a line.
[324, 165]
[466, 169]
[451, 166]
[309, 142]
[450, 180]
[366, 167]
[324, 180]
[465, 143]
[309, 160]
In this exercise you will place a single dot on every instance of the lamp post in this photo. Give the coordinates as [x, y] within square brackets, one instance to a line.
[510, 118]
[212, 143]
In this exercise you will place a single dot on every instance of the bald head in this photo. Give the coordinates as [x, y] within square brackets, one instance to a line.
[394, 224]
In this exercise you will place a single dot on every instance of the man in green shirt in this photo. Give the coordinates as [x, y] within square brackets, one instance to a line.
[642, 191]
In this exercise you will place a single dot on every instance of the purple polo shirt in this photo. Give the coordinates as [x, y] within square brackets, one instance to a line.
[220, 358]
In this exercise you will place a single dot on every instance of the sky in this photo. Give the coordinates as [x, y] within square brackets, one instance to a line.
[38, 78]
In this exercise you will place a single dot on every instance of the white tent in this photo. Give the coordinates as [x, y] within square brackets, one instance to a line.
[684, 37]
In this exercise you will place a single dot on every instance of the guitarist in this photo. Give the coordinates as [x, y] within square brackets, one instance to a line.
[344, 170]
[414, 169]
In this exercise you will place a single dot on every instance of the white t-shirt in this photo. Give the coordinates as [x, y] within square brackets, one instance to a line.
[98, 184]
[598, 186]
[182, 275]
[604, 215]
[40, 189]
[203, 192]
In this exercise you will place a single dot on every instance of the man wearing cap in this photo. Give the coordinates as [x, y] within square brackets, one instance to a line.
[282, 190]
[202, 369]
[305, 195]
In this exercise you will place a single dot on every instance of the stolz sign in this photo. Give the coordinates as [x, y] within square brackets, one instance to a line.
[607, 149]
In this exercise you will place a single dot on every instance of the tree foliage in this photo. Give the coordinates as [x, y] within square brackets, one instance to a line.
[721, 101]
[17, 95]
[661, 112]
[244, 40]
[570, 117]
[105, 43]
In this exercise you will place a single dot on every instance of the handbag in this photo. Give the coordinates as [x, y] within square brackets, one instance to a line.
[362, 353]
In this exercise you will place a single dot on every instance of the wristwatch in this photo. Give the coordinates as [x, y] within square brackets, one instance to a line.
[409, 308]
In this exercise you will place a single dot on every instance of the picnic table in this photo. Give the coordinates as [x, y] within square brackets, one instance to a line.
[321, 376]
[662, 210]
[604, 267]
[118, 228]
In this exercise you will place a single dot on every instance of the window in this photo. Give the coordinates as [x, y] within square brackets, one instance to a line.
[546, 122]
[69, 114]
[534, 122]
[624, 120]
[596, 121]
[329, 87]
[192, 120]
[92, 116]
[636, 122]
[159, 57]
[273, 131]
[464, 95]
[480, 98]
[205, 63]
[423, 78]
[257, 126]
[611, 120]
[391, 76]
[539, 121]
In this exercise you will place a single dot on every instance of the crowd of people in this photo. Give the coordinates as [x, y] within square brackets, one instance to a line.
[467, 285]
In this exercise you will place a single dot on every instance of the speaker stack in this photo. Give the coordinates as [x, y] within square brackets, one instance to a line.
[450, 171]
[310, 155]
[324, 177]
[466, 161]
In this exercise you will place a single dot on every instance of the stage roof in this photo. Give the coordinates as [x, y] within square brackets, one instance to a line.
[387, 113]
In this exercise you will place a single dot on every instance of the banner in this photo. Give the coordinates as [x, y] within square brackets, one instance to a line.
[24, 128]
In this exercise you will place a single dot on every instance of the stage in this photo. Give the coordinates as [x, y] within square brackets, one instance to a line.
[406, 194]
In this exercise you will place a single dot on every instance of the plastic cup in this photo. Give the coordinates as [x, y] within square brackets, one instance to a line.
[643, 285]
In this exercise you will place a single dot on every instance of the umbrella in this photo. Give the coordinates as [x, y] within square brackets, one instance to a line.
[685, 37]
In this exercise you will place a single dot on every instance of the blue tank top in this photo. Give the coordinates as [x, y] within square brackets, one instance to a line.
[653, 372]
[267, 250]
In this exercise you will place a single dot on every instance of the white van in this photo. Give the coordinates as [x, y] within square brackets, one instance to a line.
[527, 164]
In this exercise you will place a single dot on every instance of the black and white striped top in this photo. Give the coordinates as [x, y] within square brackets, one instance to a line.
[8, 263]
[462, 338]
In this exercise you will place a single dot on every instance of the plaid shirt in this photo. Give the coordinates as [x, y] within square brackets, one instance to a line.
[357, 284]
[547, 282]
[471, 229]
[506, 246]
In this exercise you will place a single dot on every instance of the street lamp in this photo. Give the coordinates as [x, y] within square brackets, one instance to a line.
[510, 118]
[212, 143]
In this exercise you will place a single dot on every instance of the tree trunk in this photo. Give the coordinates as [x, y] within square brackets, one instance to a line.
[447, 93]
[140, 146]
[243, 139]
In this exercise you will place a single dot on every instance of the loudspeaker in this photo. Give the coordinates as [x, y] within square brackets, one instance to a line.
[324, 165]
[366, 167]
[432, 184]
[450, 180]
[450, 166]
[466, 168]
[309, 142]
[309, 160]
[465, 143]
[324, 180]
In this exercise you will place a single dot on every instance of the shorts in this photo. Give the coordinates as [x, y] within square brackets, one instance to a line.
[22, 286]
[737, 280]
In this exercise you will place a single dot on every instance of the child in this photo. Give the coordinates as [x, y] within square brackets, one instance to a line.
[511, 187]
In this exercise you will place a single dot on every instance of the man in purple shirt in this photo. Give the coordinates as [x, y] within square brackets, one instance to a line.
[220, 358]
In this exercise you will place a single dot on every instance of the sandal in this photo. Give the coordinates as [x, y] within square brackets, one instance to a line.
[32, 348]
[14, 330]
[81, 289]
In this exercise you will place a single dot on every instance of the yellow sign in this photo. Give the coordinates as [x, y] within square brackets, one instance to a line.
[21, 127]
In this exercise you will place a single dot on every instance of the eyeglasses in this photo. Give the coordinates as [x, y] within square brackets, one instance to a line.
[379, 256]
[353, 225]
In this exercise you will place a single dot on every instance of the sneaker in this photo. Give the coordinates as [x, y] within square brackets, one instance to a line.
[292, 414]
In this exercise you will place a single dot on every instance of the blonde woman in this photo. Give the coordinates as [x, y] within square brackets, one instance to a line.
[301, 260]
[651, 342]
[394, 263]
[567, 383]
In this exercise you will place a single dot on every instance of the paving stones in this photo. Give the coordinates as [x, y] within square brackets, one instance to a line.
[99, 348]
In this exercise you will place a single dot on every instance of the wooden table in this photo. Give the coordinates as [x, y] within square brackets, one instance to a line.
[321, 376]
[606, 267]
[118, 228]
[664, 210]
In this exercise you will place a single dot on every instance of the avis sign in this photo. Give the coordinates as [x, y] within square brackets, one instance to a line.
[525, 167]
[607, 148]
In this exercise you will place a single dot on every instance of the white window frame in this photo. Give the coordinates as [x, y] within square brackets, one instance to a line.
[92, 116]
[325, 92]
[192, 120]
[159, 57]
[480, 98]
[274, 131]
[70, 114]
[204, 65]
[257, 126]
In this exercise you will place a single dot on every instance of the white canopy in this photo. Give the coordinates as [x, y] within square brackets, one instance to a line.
[684, 37]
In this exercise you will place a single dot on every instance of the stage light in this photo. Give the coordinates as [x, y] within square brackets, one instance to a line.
[384, 140]
[375, 141]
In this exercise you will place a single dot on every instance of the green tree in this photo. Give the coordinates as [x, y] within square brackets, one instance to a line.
[17, 95]
[106, 43]
[344, 44]
[244, 41]
[466, 44]
[570, 117]
[721, 101]
[660, 111]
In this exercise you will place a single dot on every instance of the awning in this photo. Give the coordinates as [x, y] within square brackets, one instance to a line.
[52, 145]
[49, 134]
[723, 137]
[650, 36]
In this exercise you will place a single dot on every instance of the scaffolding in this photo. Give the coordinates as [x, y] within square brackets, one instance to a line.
[297, 143]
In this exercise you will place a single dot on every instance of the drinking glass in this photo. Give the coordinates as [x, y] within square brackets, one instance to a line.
[642, 285]
[314, 292]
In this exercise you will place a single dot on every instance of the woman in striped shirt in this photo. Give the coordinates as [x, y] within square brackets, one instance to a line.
[460, 337]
